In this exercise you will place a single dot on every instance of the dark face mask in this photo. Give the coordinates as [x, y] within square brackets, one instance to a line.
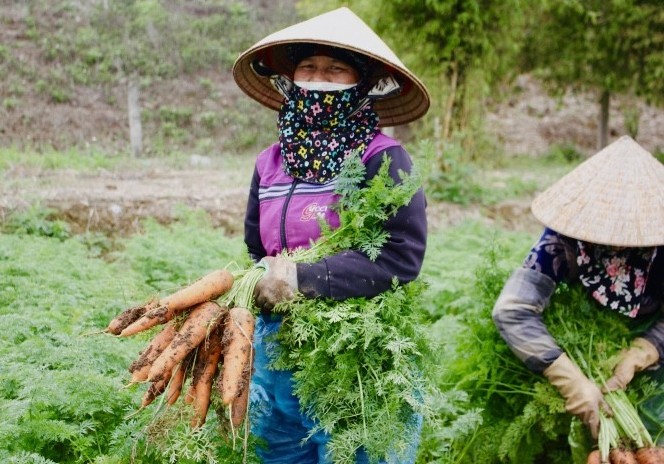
[319, 130]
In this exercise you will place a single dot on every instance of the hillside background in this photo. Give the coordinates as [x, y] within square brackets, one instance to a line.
[66, 67]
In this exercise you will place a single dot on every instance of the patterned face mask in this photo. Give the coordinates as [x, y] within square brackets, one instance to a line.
[615, 277]
[318, 130]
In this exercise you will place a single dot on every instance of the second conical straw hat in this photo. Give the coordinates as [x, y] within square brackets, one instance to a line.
[339, 28]
[615, 197]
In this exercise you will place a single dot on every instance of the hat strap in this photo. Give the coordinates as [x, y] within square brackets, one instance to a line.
[283, 84]
[385, 87]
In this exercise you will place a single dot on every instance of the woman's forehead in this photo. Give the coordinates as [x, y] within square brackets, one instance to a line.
[322, 58]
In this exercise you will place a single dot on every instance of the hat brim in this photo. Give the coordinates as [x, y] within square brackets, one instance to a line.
[615, 197]
[354, 35]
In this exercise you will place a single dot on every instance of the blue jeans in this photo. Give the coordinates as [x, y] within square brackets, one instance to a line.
[275, 412]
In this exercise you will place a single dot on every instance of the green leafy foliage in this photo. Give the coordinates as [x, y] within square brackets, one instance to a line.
[522, 417]
[62, 397]
[38, 221]
[169, 258]
[60, 391]
[453, 179]
[608, 45]
[359, 368]
[503, 412]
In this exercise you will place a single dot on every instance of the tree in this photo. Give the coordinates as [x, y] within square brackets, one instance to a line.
[461, 48]
[611, 46]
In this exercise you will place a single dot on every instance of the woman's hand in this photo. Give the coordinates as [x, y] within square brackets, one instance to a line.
[582, 397]
[639, 356]
[278, 284]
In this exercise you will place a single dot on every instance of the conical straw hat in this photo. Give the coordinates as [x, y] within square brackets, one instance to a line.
[615, 197]
[339, 28]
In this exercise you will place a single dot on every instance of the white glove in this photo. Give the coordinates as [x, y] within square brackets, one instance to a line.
[639, 356]
[582, 397]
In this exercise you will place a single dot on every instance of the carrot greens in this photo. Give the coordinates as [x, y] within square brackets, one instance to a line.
[523, 418]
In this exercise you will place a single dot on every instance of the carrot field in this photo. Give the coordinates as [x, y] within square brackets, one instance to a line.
[96, 220]
[66, 390]
[63, 386]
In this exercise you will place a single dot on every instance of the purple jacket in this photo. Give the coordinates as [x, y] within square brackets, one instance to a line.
[282, 213]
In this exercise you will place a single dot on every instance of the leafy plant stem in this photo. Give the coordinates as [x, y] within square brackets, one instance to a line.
[364, 416]
[627, 419]
[607, 437]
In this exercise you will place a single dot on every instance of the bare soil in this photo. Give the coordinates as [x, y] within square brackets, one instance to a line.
[117, 202]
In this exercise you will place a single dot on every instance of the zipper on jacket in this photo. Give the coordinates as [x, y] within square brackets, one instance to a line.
[284, 211]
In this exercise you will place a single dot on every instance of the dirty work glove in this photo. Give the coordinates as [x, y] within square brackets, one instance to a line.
[639, 356]
[279, 283]
[582, 397]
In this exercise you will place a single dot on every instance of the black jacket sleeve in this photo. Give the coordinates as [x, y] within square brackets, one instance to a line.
[351, 273]
[252, 236]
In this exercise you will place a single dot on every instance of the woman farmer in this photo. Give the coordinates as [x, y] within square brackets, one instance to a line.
[604, 229]
[334, 83]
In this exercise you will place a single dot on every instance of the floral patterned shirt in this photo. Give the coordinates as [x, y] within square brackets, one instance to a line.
[615, 277]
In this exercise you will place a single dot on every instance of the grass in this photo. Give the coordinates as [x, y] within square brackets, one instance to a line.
[83, 160]
[75, 159]
[452, 177]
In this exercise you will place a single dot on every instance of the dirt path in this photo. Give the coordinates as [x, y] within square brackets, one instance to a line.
[116, 203]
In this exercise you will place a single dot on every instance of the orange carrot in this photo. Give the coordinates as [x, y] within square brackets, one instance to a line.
[204, 374]
[209, 287]
[239, 407]
[175, 384]
[141, 366]
[178, 378]
[128, 316]
[200, 321]
[155, 389]
[238, 354]
[199, 364]
[594, 457]
[622, 456]
[650, 455]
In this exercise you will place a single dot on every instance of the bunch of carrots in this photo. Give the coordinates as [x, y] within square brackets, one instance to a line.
[203, 345]
[592, 339]
[623, 439]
